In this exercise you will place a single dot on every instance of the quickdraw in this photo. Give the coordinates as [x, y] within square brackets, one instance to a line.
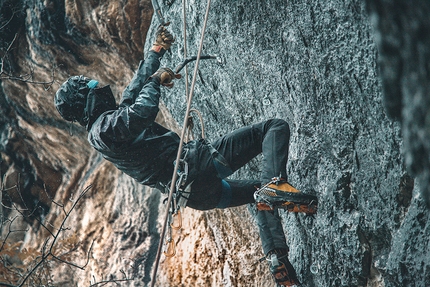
[180, 198]
[170, 249]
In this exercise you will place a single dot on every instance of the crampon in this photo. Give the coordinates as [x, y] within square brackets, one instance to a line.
[282, 271]
[279, 193]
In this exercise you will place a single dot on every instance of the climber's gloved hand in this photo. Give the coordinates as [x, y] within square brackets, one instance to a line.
[165, 76]
[163, 38]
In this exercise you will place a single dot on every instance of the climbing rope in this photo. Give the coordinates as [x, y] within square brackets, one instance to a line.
[184, 22]
[178, 157]
[184, 65]
[184, 29]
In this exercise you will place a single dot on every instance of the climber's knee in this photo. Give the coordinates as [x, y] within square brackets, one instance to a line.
[281, 124]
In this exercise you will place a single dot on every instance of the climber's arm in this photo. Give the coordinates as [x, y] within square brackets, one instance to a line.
[128, 122]
[145, 70]
[162, 43]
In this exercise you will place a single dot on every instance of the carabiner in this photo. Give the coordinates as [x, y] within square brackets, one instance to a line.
[170, 250]
[179, 226]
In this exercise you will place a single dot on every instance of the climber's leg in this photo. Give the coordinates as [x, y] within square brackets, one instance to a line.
[237, 192]
[275, 150]
[272, 138]
[244, 144]
[278, 193]
[271, 232]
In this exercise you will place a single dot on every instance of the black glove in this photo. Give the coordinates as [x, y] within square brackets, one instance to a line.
[163, 38]
[165, 76]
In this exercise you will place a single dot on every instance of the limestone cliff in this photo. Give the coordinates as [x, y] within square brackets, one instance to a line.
[312, 63]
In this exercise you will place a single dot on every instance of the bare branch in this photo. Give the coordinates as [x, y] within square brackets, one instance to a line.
[112, 280]
[67, 215]
[116, 281]
[5, 54]
[10, 231]
[73, 264]
[55, 237]
[38, 271]
[50, 198]
[8, 21]
[10, 46]
[7, 285]
[28, 78]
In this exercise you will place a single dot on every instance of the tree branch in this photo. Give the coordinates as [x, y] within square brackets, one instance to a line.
[7, 284]
[10, 231]
[55, 237]
[28, 78]
[73, 264]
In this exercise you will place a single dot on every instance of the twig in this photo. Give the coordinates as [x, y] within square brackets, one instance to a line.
[52, 244]
[10, 231]
[116, 281]
[50, 198]
[73, 264]
[47, 85]
[7, 284]
[5, 54]
[28, 78]
[8, 21]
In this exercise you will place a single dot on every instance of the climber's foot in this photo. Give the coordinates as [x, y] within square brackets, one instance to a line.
[279, 193]
[281, 268]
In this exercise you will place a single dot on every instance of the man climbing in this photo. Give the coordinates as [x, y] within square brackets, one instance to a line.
[128, 136]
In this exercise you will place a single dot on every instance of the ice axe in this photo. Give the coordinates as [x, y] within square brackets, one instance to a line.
[157, 11]
[190, 59]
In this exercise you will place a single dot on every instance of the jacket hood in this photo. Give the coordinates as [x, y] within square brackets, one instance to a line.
[71, 97]
[98, 101]
[78, 100]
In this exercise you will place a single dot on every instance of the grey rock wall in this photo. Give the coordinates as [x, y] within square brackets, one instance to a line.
[403, 38]
[314, 64]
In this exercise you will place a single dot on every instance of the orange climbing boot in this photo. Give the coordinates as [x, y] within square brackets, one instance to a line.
[278, 193]
[280, 267]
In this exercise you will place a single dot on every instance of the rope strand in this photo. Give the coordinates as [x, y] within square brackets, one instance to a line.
[178, 157]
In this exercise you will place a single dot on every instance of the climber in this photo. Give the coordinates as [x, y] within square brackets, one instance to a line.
[128, 136]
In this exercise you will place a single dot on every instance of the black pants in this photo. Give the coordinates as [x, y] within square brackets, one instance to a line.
[210, 190]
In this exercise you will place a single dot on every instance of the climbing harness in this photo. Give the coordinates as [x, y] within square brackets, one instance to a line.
[179, 200]
[181, 142]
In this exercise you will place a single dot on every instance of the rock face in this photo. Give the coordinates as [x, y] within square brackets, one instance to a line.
[403, 38]
[312, 63]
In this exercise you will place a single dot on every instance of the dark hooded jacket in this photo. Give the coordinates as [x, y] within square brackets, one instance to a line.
[130, 138]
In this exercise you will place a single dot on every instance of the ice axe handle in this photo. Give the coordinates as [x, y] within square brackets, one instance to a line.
[187, 60]
[157, 10]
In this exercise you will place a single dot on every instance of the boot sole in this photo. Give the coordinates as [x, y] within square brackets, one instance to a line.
[293, 202]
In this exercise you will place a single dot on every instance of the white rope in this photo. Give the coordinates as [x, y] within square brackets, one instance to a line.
[178, 157]
[184, 20]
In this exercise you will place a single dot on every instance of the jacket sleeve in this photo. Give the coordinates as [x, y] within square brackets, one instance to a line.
[137, 111]
[128, 122]
[146, 68]
[145, 108]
